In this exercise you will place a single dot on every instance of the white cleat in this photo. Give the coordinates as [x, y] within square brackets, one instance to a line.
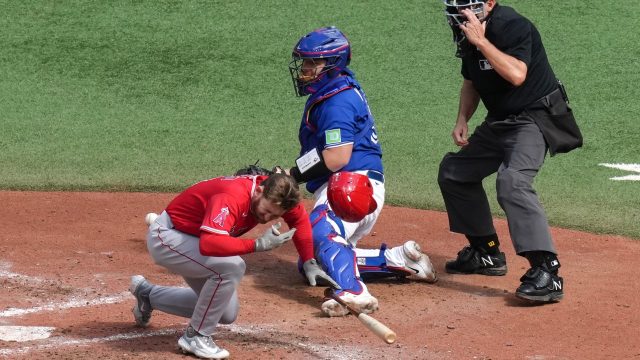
[150, 218]
[364, 302]
[418, 263]
[201, 346]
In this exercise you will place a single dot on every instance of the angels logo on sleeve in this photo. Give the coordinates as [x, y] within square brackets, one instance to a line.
[221, 217]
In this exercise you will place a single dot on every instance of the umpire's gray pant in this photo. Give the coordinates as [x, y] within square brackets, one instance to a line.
[515, 148]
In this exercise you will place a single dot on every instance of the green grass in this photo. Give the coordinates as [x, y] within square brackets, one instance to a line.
[155, 95]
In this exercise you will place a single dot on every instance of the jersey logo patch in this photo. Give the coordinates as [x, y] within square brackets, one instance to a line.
[332, 136]
[485, 65]
[220, 218]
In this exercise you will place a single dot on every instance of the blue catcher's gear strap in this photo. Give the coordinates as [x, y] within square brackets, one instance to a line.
[375, 267]
[337, 260]
[322, 211]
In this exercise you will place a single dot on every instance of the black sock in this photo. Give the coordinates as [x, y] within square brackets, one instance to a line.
[544, 259]
[488, 243]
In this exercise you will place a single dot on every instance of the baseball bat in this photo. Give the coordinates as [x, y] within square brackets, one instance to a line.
[375, 326]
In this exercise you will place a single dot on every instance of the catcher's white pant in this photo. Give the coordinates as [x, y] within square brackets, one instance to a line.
[355, 231]
[211, 297]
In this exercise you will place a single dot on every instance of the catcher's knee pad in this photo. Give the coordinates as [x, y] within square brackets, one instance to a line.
[337, 259]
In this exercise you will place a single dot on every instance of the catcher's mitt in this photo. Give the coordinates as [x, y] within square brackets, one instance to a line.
[254, 169]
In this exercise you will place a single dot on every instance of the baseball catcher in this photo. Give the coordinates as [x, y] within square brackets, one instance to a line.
[340, 156]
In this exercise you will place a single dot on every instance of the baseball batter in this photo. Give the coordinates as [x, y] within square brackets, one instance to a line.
[338, 133]
[198, 237]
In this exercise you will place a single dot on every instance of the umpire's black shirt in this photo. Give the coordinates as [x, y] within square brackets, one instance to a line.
[514, 35]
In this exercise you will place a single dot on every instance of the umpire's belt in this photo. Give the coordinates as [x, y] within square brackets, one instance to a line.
[552, 97]
[375, 175]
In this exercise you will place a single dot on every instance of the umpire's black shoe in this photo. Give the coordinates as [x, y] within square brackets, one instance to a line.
[476, 261]
[538, 284]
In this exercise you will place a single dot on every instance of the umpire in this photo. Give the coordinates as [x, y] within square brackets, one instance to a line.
[504, 64]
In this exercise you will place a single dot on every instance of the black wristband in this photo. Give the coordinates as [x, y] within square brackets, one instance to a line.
[317, 170]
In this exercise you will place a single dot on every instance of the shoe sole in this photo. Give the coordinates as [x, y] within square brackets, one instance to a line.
[499, 271]
[543, 298]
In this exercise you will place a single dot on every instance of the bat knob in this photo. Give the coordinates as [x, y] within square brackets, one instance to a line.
[328, 293]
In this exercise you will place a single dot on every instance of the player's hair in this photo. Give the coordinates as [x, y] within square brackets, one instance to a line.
[281, 190]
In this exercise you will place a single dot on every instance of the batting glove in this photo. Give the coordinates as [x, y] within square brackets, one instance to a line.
[314, 272]
[272, 238]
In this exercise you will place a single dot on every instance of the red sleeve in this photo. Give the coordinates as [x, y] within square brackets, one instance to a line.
[224, 245]
[302, 239]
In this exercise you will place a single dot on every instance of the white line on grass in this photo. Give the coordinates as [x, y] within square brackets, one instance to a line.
[626, 167]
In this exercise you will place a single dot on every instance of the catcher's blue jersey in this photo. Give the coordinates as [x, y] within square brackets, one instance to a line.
[339, 115]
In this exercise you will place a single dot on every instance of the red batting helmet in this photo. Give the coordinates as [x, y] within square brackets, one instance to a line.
[351, 196]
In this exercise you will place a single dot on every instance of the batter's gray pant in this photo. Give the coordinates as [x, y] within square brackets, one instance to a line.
[211, 297]
[515, 148]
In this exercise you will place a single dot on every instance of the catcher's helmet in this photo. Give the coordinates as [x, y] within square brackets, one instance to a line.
[351, 196]
[455, 18]
[327, 43]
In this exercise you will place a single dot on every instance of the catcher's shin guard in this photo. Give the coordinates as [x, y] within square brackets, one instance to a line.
[333, 254]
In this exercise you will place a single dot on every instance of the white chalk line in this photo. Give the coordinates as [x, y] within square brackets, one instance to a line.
[73, 303]
[20, 277]
[24, 279]
[626, 178]
[63, 341]
[330, 351]
[625, 167]
[24, 333]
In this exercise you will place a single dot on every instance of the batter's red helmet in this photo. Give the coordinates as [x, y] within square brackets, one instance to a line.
[351, 196]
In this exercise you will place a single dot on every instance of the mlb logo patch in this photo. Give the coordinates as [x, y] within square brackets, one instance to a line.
[332, 136]
[485, 65]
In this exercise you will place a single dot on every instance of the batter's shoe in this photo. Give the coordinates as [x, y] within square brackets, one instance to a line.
[200, 345]
[410, 261]
[476, 261]
[538, 284]
[141, 288]
[363, 302]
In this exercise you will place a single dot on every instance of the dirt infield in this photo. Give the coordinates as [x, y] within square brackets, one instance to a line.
[66, 260]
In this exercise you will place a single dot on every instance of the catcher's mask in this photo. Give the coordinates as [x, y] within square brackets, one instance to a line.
[455, 18]
[350, 196]
[326, 43]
